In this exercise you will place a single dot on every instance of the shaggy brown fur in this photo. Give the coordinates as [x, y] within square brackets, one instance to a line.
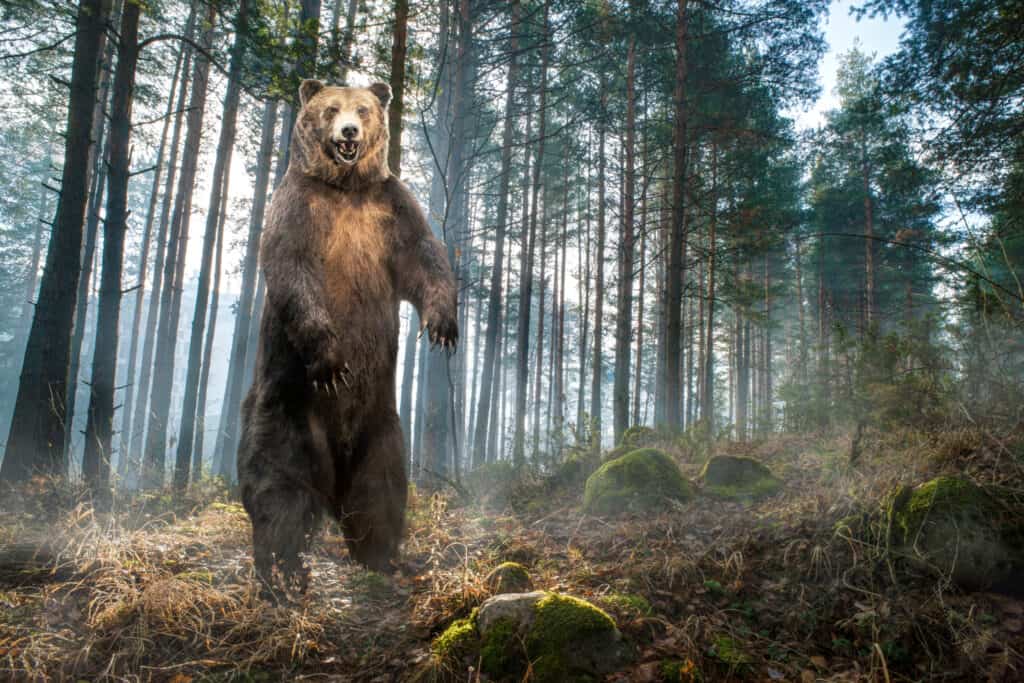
[343, 244]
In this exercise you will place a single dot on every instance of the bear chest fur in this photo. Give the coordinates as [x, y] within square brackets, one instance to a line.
[357, 255]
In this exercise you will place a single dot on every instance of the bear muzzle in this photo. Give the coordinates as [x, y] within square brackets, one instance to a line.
[345, 151]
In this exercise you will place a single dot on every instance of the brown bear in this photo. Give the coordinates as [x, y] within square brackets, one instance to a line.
[344, 243]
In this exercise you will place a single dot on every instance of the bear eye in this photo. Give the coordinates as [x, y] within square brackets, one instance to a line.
[362, 111]
[330, 111]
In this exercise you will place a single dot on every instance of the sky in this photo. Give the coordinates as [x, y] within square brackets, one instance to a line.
[878, 36]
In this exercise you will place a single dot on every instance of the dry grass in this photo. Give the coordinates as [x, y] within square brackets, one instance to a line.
[164, 591]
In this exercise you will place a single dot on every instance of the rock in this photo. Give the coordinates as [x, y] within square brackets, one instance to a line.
[954, 527]
[560, 638]
[509, 577]
[734, 477]
[640, 436]
[640, 480]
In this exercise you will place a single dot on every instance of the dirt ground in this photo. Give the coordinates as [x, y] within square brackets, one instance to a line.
[162, 590]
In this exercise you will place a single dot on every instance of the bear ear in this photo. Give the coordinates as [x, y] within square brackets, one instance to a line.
[383, 93]
[309, 87]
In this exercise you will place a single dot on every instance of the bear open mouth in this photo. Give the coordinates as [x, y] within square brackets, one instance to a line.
[346, 151]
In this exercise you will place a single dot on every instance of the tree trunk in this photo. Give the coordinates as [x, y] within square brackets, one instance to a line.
[38, 425]
[708, 399]
[147, 233]
[640, 330]
[539, 358]
[526, 283]
[227, 434]
[581, 430]
[199, 439]
[222, 162]
[98, 166]
[133, 457]
[398, 49]
[170, 298]
[677, 241]
[494, 321]
[624, 317]
[100, 416]
[598, 367]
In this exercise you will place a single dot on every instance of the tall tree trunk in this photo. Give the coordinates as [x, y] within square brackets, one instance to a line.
[398, 50]
[98, 166]
[539, 358]
[677, 241]
[640, 329]
[199, 439]
[154, 453]
[38, 425]
[241, 348]
[100, 416]
[869, 246]
[345, 52]
[708, 399]
[558, 327]
[581, 428]
[147, 234]
[598, 366]
[222, 162]
[494, 321]
[526, 291]
[624, 317]
[444, 199]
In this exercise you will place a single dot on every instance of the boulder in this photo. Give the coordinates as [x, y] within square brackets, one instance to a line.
[640, 480]
[509, 577]
[733, 477]
[559, 637]
[956, 528]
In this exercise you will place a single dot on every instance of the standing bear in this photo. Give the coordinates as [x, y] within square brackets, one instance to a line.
[344, 243]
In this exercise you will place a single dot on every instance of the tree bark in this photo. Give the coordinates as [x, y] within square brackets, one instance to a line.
[100, 416]
[598, 367]
[170, 298]
[398, 50]
[227, 434]
[677, 240]
[526, 293]
[494, 321]
[225, 146]
[147, 233]
[624, 311]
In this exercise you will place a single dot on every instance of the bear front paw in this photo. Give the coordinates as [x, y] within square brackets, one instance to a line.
[331, 382]
[442, 330]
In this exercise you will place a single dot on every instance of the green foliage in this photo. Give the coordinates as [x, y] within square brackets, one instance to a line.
[640, 480]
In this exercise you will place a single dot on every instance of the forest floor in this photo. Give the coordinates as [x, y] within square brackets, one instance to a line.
[726, 591]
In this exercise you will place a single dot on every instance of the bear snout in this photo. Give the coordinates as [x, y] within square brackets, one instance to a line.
[349, 131]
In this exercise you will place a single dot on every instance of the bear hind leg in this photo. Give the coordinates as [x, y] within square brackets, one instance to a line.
[373, 509]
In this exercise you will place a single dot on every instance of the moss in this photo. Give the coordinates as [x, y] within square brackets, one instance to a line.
[738, 478]
[954, 526]
[509, 577]
[937, 499]
[458, 640]
[562, 621]
[500, 650]
[628, 603]
[617, 452]
[639, 436]
[726, 650]
[641, 479]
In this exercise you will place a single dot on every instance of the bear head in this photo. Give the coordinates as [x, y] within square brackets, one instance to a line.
[341, 134]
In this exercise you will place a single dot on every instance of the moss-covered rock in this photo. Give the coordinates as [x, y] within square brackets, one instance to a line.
[734, 477]
[956, 528]
[640, 480]
[558, 637]
[640, 436]
[616, 453]
[575, 469]
[509, 577]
